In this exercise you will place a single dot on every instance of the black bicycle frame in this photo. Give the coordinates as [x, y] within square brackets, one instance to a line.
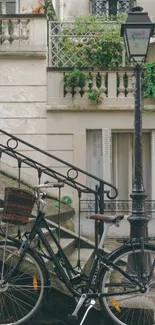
[70, 273]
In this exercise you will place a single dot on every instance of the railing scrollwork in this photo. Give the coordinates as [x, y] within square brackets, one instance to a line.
[72, 177]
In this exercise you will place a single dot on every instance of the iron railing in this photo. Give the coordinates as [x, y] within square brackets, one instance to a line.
[118, 206]
[110, 7]
[15, 149]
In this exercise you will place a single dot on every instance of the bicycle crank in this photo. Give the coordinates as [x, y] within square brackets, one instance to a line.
[74, 315]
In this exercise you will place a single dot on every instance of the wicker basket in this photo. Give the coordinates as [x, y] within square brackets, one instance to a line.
[18, 205]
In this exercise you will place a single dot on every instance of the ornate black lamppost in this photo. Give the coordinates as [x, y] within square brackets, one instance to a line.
[137, 31]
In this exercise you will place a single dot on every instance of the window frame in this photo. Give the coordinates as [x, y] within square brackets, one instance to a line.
[3, 2]
[105, 3]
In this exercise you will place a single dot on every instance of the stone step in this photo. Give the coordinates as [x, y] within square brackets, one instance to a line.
[67, 244]
[46, 233]
[69, 247]
[86, 258]
[13, 229]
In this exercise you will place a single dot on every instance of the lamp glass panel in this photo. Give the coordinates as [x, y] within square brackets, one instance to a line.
[137, 41]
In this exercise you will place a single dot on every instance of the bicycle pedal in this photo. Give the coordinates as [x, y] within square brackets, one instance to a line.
[73, 317]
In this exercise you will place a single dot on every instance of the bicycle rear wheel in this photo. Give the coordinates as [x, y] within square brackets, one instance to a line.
[129, 308]
[22, 295]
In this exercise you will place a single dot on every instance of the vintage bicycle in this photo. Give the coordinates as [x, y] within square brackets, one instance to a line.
[120, 281]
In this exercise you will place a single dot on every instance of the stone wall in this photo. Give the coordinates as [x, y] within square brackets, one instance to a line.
[147, 6]
[27, 5]
[23, 84]
[75, 7]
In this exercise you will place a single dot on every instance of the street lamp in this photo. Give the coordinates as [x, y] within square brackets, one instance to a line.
[137, 31]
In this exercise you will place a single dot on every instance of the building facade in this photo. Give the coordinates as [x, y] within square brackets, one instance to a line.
[101, 136]
[68, 9]
[35, 106]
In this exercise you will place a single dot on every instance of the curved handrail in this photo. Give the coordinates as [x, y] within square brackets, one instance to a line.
[68, 179]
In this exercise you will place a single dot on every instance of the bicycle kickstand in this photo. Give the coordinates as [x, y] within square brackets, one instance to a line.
[74, 315]
[92, 303]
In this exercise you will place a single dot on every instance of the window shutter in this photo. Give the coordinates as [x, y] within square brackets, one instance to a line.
[94, 157]
[94, 152]
[0, 7]
[106, 145]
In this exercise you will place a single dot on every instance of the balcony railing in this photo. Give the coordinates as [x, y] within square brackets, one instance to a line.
[14, 30]
[22, 32]
[116, 88]
[111, 7]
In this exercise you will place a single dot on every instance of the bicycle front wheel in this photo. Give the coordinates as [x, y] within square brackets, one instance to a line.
[124, 307]
[22, 294]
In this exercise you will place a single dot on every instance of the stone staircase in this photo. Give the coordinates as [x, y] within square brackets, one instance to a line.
[15, 164]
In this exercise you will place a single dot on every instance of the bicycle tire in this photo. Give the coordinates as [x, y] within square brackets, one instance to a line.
[25, 290]
[128, 309]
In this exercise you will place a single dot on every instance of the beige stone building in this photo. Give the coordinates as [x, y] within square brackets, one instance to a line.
[33, 105]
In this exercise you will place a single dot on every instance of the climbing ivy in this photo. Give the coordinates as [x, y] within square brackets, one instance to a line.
[95, 96]
[77, 78]
[49, 10]
[148, 81]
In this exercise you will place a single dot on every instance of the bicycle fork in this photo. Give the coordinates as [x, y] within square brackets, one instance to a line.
[74, 315]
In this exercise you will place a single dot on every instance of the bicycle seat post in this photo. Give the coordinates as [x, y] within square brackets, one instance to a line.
[104, 234]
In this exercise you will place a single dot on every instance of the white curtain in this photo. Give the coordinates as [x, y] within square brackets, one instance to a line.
[122, 161]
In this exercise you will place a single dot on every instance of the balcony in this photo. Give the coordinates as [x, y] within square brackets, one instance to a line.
[95, 48]
[23, 35]
[116, 89]
[110, 7]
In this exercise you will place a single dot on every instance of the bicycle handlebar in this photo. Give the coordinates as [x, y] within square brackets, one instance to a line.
[50, 184]
[47, 185]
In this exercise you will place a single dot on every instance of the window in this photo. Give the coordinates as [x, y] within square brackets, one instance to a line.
[122, 163]
[111, 7]
[8, 7]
